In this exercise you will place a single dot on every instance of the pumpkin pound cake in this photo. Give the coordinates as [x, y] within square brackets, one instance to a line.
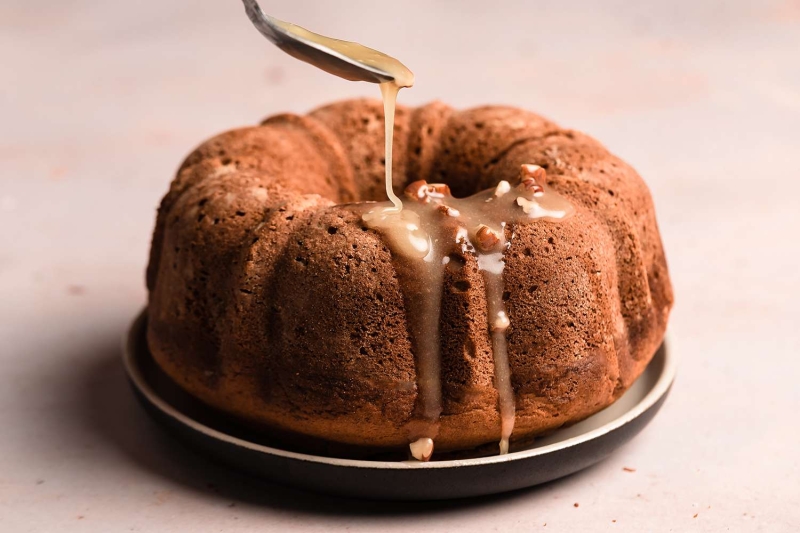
[524, 289]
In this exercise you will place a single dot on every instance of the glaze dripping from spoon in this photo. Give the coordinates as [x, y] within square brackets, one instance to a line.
[349, 60]
[433, 225]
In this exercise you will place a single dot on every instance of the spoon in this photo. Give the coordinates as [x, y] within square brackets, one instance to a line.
[348, 60]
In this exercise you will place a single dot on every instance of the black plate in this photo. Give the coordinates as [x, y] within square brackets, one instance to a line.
[562, 453]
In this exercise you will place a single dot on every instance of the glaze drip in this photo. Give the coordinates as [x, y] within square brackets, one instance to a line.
[389, 93]
[498, 324]
[433, 225]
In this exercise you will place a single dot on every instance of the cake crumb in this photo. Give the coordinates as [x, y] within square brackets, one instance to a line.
[275, 75]
[614, 521]
[695, 515]
[56, 173]
[628, 469]
[76, 290]
[575, 504]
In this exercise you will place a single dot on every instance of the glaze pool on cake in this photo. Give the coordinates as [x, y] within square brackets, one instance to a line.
[273, 301]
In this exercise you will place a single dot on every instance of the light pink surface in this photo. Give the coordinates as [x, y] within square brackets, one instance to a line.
[99, 104]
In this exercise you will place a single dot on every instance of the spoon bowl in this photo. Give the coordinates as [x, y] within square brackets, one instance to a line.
[348, 60]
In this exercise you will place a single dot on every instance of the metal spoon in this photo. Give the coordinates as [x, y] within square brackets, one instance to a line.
[345, 59]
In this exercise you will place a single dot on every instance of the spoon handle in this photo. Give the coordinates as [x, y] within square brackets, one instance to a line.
[262, 22]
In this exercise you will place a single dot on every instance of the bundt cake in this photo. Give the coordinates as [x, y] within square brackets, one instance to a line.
[277, 297]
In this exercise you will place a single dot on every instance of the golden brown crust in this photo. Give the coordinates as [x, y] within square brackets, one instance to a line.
[270, 301]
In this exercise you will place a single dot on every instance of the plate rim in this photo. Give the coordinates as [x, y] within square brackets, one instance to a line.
[136, 334]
